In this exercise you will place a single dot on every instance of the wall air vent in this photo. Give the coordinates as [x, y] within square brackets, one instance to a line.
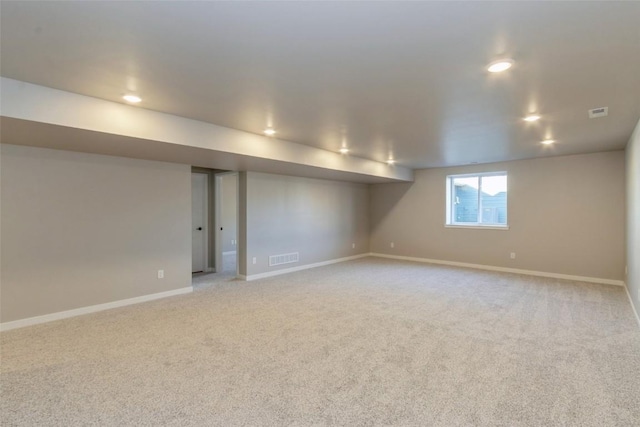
[283, 259]
[598, 112]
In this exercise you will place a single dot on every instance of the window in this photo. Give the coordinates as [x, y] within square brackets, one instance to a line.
[477, 200]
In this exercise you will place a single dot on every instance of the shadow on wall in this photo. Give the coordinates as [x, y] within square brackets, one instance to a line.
[384, 205]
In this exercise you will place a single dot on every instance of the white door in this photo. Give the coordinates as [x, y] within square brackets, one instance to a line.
[199, 222]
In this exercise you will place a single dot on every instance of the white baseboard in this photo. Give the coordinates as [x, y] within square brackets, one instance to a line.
[633, 307]
[505, 269]
[301, 267]
[90, 309]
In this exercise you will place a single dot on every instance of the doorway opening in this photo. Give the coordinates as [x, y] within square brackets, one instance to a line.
[214, 227]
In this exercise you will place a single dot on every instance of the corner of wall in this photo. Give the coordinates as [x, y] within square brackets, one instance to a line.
[242, 224]
[633, 219]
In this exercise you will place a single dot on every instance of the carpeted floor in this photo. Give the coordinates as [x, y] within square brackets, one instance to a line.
[206, 280]
[368, 342]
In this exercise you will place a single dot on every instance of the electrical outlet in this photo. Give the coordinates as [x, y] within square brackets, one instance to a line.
[160, 274]
[353, 246]
[393, 245]
[513, 255]
[254, 260]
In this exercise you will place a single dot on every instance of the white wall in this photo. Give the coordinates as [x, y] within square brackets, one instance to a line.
[633, 217]
[229, 211]
[565, 214]
[319, 219]
[84, 229]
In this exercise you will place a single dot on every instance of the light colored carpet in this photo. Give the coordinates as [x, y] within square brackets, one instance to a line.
[368, 342]
[207, 280]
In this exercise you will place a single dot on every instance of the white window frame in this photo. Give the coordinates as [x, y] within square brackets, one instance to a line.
[449, 220]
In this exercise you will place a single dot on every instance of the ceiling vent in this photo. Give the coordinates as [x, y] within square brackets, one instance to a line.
[598, 112]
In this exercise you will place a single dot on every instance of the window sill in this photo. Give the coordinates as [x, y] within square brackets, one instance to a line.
[479, 227]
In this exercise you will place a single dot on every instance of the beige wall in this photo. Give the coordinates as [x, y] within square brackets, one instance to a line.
[83, 229]
[633, 217]
[317, 218]
[565, 214]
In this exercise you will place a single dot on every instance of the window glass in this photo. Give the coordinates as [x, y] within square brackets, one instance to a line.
[477, 200]
[493, 199]
[465, 203]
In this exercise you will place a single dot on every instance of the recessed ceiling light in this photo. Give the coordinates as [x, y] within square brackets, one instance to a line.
[532, 118]
[390, 161]
[547, 141]
[134, 99]
[344, 150]
[500, 65]
[269, 132]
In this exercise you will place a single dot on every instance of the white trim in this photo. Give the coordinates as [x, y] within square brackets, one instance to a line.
[506, 269]
[472, 174]
[228, 252]
[90, 309]
[300, 267]
[633, 307]
[476, 226]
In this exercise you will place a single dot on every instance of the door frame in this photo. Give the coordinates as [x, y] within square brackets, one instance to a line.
[205, 225]
[218, 219]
